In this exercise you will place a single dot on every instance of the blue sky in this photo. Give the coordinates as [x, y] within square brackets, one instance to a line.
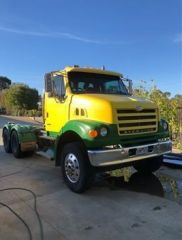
[140, 38]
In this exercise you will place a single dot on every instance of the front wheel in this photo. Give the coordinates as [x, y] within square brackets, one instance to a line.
[76, 169]
[148, 165]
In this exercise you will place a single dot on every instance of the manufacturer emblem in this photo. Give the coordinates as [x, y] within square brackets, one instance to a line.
[139, 108]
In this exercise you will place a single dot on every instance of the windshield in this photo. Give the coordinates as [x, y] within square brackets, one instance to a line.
[81, 82]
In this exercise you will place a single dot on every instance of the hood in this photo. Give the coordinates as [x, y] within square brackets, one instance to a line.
[122, 101]
[101, 107]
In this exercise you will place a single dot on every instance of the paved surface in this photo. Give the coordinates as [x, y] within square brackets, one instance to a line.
[111, 209]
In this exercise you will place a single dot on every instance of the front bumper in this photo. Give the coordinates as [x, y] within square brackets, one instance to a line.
[108, 157]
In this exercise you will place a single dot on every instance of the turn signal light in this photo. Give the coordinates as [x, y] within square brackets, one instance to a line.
[93, 133]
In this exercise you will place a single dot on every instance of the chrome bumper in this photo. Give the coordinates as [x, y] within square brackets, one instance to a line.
[107, 157]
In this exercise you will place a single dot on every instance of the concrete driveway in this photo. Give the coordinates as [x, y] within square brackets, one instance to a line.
[111, 209]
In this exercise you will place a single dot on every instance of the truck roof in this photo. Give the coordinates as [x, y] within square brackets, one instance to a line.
[88, 70]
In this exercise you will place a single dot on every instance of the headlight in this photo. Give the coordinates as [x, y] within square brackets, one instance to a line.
[164, 124]
[103, 131]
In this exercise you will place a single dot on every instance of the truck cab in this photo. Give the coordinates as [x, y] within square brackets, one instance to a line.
[92, 121]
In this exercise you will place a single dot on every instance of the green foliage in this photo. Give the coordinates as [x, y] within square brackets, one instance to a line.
[168, 107]
[19, 98]
[2, 99]
[34, 113]
[178, 143]
[4, 83]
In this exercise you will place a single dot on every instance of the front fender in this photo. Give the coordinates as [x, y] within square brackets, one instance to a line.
[82, 127]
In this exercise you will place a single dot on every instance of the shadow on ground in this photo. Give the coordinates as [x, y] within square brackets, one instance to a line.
[137, 182]
[161, 185]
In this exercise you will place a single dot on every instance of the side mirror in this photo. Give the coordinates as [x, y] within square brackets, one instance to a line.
[48, 84]
[129, 85]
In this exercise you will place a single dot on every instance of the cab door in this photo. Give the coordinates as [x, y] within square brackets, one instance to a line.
[55, 112]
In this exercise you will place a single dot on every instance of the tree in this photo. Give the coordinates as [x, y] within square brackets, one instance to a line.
[168, 107]
[4, 83]
[2, 99]
[19, 98]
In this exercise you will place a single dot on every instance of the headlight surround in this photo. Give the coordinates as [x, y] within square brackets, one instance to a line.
[164, 124]
[103, 131]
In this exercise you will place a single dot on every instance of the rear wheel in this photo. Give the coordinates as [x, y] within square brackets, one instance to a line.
[6, 140]
[148, 165]
[76, 169]
[15, 145]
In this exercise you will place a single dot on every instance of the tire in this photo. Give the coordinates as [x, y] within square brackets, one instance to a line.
[148, 165]
[6, 140]
[15, 146]
[77, 172]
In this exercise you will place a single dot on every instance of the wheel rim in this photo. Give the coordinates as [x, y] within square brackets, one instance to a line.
[72, 168]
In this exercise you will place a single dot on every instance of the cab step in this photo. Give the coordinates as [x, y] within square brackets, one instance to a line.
[47, 138]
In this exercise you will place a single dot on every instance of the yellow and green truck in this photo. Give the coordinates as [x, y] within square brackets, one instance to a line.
[92, 122]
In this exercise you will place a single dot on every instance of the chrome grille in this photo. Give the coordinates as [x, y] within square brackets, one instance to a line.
[131, 121]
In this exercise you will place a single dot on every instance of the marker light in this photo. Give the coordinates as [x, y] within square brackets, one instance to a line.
[93, 133]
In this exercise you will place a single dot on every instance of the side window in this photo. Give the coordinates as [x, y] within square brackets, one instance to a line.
[58, 86]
